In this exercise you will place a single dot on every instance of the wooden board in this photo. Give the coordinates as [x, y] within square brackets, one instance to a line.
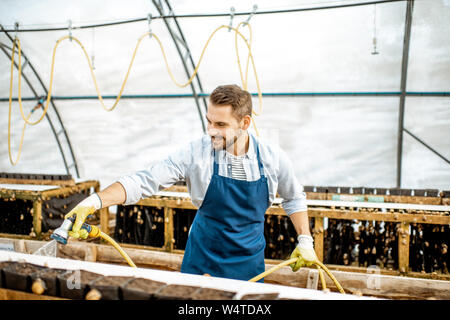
[403, 247]
[38, 182]
[441, 218]
[387, 198]
[318, 237]
[8, 294]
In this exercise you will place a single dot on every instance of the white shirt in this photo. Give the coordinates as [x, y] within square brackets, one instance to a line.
[194, 164]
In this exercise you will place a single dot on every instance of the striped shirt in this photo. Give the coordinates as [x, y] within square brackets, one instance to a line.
[237, 167]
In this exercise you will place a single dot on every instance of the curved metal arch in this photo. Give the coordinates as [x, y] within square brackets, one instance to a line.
[62, 131]
[181, 45]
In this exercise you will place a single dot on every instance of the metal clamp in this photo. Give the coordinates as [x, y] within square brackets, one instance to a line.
[149, 19]
[16, 28]
[255, 7]
[374, 41]
[70, 30]
[231, 18]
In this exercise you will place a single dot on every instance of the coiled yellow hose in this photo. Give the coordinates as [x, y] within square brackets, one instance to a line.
[318, 264]
[292, 260]
[96, 232]
[16, 42]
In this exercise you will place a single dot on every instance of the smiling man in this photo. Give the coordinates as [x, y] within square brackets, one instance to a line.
[232, 177]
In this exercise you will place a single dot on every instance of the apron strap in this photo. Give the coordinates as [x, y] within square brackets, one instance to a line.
[260, 165]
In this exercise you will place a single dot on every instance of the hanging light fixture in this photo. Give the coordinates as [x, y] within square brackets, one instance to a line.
[374, 41]
[93, 49]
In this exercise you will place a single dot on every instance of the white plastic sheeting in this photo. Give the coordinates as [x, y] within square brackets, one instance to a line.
[332, 140]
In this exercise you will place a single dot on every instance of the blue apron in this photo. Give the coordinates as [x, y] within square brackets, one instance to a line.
[227, 236]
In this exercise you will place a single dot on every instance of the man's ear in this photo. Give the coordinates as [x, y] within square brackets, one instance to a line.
[247, 120]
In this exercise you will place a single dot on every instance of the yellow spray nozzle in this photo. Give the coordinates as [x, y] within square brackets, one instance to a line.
[95, 232]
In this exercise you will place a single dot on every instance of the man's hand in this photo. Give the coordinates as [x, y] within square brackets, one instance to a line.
[82, 210]
[304, 252]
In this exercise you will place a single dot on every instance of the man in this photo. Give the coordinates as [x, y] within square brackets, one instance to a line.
[232, 178]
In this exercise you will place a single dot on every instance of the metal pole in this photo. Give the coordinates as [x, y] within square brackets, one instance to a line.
[401, 115]
[427, 146]
[255, 94]
[159, 7]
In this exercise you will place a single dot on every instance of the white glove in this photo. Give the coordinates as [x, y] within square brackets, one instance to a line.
[304, 252]
[305, 242]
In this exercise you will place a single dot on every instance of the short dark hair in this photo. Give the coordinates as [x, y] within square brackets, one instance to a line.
[240, 100]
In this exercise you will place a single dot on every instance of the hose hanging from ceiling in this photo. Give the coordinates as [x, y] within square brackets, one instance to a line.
[16, 42]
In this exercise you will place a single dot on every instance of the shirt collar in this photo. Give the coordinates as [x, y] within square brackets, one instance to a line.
[251, 153]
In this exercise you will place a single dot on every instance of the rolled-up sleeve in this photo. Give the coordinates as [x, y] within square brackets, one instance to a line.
[158, 176]
[289, 189]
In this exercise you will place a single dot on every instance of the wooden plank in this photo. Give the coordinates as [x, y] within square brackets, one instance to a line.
[379, 216]
[8, 294]
[168, 229]
[46, 194]
[318, 237]
[64, 191]
[377, 206]
[176, 189]
[18, 194]
[171, 203]
[362, 214]
[412, 274]
[387, 198]
[446, 201]
[403, 247]
[104, 213]
[37, 218]
[104, 220]
[318, 196]
[78, 250]
[44, 235]
[413, 199]
[151, 248]
[38, 182]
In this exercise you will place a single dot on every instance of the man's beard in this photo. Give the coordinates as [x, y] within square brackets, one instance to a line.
[225, 143]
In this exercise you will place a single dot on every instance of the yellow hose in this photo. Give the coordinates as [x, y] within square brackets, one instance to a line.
[318, 264]
[258, 277]
[169, 71]
[338, 285]
[266, 273]
[322, 278]
[118, 248]
[245, 80]
[10, 109]
[292, 260]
